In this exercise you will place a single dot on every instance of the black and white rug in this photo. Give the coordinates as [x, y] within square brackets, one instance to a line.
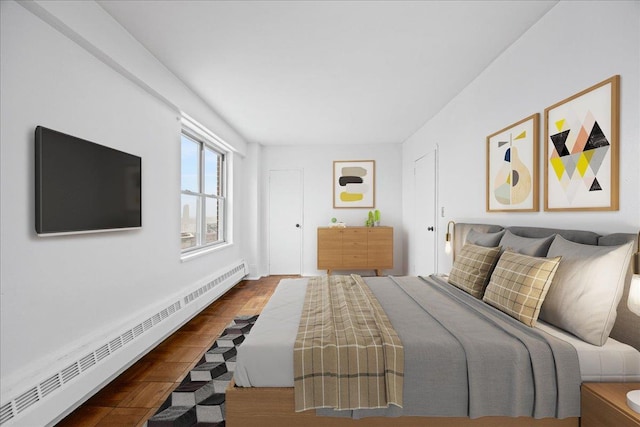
[199, 399]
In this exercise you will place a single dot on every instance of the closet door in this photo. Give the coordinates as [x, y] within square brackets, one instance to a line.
[285, 222]
[425, 235]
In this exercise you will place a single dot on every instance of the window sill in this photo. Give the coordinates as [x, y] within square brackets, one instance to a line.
[204, 251]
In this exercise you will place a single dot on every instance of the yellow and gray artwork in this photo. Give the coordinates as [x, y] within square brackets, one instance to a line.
[354, 184]
[582, 150]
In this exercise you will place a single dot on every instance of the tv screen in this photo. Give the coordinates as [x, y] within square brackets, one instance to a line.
[84, 187]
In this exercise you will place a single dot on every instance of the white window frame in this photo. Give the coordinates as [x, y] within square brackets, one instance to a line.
[206, 139]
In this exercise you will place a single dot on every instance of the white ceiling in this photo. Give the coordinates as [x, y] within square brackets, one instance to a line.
[326, 72]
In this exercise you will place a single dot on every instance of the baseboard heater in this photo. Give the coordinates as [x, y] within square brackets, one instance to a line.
[26, 402]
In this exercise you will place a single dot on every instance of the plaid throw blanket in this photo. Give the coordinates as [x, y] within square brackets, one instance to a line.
[346, 355]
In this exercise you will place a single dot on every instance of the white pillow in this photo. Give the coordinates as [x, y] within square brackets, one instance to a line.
[586, 288]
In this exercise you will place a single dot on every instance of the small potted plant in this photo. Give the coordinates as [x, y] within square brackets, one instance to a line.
[370, 221]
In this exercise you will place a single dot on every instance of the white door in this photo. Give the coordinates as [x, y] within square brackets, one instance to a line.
[425, 254]
[285, 221]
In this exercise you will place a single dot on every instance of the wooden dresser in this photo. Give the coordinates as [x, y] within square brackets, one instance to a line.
[355, 248]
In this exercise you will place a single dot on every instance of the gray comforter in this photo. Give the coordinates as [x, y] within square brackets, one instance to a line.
[464, 358]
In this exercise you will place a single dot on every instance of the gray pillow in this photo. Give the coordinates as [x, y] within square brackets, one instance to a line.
[586, 288]
[537, 247]
[488, 240]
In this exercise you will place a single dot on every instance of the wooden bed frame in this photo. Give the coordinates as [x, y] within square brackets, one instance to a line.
[274, 406]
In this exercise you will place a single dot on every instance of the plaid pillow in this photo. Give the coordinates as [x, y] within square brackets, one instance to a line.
[472, 268]
[519, 284]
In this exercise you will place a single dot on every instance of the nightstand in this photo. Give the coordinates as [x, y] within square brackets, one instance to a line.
[605, 405]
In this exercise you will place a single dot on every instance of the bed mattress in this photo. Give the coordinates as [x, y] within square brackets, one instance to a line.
[265, 358]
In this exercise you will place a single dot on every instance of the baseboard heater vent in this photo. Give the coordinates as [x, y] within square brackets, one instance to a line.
[212, 284]
[11, 409]
[6, 413]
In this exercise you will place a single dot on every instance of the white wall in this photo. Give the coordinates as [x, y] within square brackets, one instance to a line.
[316, 162]
[60, 294]
[95, 30]
[574, 46]
[251, 210]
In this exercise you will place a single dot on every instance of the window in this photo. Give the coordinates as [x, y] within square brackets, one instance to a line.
[203, 191]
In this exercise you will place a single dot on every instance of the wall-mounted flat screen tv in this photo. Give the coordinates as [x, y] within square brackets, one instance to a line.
[84, 187]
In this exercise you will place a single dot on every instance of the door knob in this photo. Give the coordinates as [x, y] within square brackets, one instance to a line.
[430, 228]
[297, 225]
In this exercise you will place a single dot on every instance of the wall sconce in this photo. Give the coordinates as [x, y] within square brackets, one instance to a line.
[633, 397]
[448, 237]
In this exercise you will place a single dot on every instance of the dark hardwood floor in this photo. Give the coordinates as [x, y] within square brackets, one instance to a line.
[135, 396]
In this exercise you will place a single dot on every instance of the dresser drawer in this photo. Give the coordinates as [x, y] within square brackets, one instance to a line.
[354, 261]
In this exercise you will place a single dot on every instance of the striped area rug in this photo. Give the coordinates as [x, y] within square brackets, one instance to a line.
[199, 399]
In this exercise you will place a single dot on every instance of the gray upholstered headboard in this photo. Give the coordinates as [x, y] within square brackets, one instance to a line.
[627, 326]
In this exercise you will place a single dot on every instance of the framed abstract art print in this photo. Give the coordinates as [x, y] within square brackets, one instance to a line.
[581, 149]
[354, 183]
[512, 167]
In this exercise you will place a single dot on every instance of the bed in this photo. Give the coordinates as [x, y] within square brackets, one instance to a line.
[607, 350]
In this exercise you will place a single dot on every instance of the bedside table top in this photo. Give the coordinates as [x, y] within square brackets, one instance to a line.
[616, 395]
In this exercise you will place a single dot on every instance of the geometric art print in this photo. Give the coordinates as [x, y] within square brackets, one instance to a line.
[512, 165]
[581, 167]
[354, 183]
